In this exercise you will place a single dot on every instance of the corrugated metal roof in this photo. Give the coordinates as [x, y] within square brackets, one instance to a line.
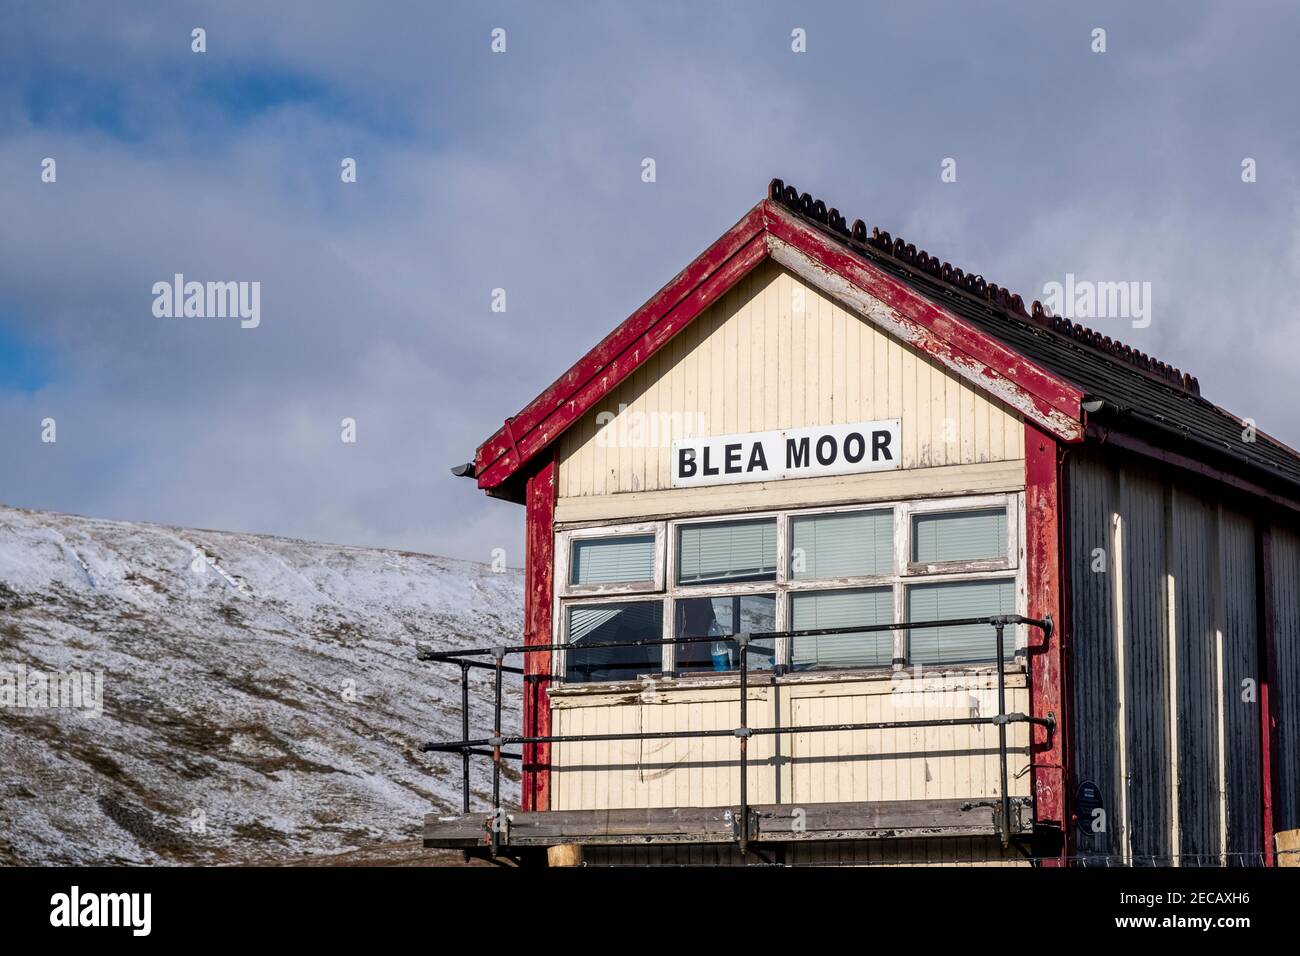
[1147, 393]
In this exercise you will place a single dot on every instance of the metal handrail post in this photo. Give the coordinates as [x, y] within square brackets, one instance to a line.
[464, 729]
[743, 733]
[499, 653]
[1002, 737]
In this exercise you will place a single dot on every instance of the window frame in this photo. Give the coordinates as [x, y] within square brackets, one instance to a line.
[673, 592]
[564, 560]
[1010, 553]
[903, 574]
[560, 658]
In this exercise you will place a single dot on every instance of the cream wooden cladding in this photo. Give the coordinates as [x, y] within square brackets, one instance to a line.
[948, 481]
[917, 764]
[775, 353]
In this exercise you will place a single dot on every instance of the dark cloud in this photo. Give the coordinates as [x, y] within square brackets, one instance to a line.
[522, 171]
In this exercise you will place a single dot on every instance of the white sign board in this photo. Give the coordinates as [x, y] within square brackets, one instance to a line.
[792, 453]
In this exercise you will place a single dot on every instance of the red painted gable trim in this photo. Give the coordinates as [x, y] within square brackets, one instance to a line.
[926, 326]
[546, 416]
[932, 329]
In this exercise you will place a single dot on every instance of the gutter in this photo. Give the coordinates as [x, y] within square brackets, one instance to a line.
[1106, 411]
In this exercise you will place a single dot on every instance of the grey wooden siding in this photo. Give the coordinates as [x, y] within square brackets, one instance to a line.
[1286, 597]
[1163, 650]
[1240, 675]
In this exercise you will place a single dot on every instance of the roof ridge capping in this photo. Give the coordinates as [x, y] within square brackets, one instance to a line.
[973, 285]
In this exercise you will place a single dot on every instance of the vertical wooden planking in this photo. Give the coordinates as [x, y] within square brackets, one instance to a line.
[736, 332]
[929, 393]
[773, 360]
[1220, 614]
[714, 384]
[786, 357]
[1240, 692]
[1268, 629]
[859, 372]
[1147, 669]
[829, 404]
[799, 354]
[839, 364]
[739, 361]
[1192, 541]
[914, 764]
[910, 400]
[689, 372]
[1093, 726]
[1284, 676]
[695, 721]
[758, 359]
[966, 428]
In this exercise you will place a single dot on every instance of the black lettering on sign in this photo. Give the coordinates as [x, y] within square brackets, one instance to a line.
[796, 453]
[757, 458]
[827, 457]
[707, 469]
[851, 456]
[686, 463]
[880, 446]
[732, 459]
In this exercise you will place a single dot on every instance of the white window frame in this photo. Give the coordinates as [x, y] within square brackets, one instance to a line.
[675, 591]
[560, 658]
[1011, 548]
[903, 574]
[564, 559]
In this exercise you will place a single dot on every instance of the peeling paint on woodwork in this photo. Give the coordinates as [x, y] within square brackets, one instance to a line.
[894, 323]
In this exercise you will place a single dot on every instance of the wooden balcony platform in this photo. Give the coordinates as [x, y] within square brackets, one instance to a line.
[769, 823]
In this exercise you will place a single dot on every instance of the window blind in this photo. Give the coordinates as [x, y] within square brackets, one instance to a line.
[610, 560]
[623, 621]
[842, 545]
[968, 643]
[959, 536]
[726, 551]
[842, 609]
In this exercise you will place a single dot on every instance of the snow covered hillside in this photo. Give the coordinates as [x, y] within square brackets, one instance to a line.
[261, 699]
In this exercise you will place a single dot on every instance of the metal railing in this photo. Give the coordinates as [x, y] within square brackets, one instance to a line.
[468, 747]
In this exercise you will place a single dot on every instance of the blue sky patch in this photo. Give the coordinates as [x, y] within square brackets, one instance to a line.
[24, 366]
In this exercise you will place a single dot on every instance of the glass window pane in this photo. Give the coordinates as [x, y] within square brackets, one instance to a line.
[842, 609]
[954, 645]
[726, 552]
[842, 545]
[610, 560]
[959, 536]
[614, 623]
[717, 617]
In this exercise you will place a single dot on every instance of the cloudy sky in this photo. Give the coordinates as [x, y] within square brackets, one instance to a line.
[522, 170]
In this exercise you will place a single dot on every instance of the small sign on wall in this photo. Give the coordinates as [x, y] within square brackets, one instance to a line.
[792, 453]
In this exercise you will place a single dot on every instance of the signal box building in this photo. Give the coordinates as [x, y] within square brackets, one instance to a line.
[816, 428]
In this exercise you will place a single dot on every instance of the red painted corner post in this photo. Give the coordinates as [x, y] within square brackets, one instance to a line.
[539, 571]
[1043, 550]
